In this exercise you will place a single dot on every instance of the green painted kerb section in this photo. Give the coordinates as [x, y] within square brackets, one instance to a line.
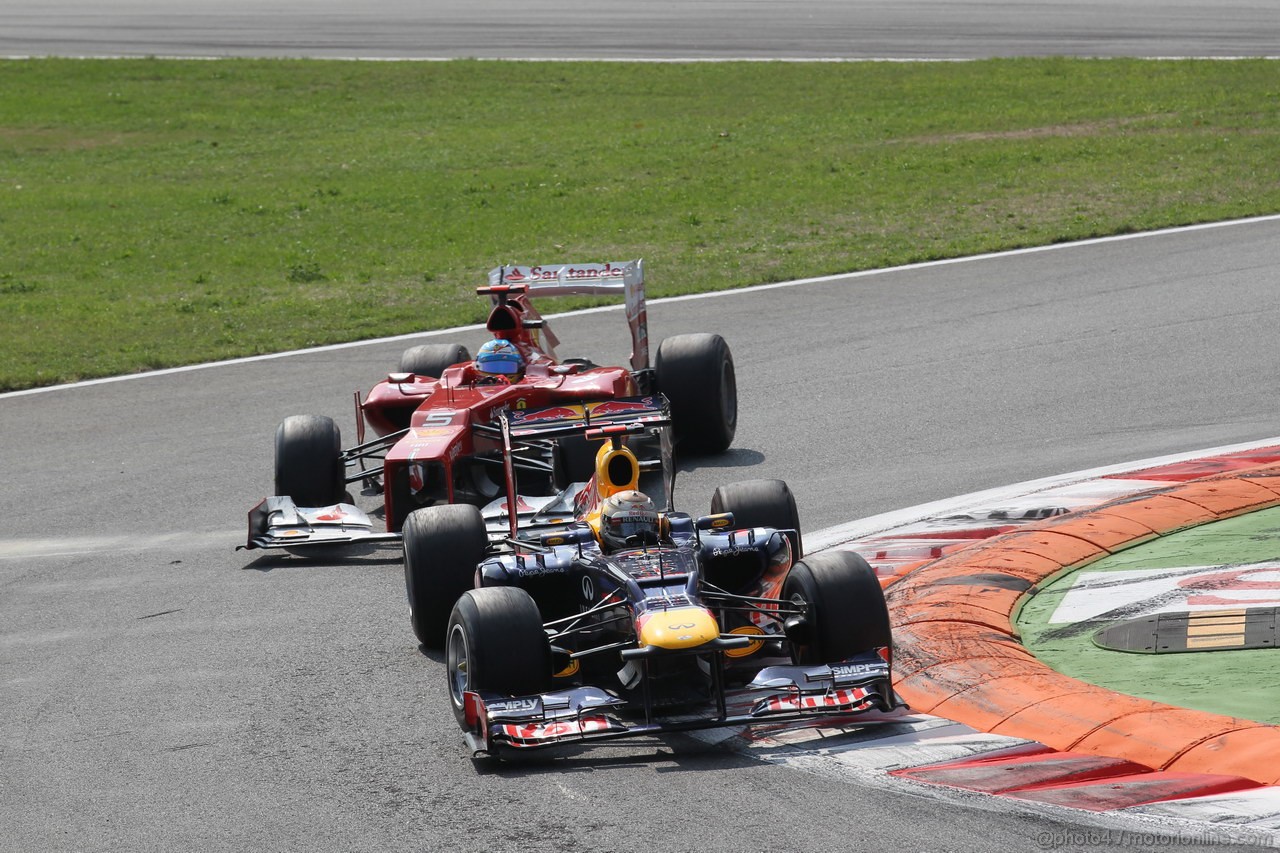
[1242, 683]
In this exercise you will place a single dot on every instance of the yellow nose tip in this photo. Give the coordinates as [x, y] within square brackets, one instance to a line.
[679, 628]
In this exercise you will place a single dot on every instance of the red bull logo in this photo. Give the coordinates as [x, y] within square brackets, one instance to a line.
[555, 413]
[588, 499]
[621, 407]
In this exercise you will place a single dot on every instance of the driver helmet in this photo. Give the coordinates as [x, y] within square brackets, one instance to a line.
[625, 515]
[500, 357]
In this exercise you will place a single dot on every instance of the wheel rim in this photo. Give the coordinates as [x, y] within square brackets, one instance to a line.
[457, 660]
[801, 652]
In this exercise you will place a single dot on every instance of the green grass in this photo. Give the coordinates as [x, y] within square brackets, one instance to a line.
[158, 212]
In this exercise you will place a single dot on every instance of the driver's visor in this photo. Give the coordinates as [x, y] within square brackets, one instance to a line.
[505, 364]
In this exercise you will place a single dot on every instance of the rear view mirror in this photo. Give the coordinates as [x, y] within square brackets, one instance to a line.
[572, 536]
[719, 521]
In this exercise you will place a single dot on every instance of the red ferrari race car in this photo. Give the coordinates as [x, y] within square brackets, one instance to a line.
[433, 419]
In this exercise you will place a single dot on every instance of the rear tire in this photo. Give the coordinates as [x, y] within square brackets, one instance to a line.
[847, 612]
[761, 503]
[443, 545]
[432, 359]
[495, 643]
[309, 466]
[696, 374]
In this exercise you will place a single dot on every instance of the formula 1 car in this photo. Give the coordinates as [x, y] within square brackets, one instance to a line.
[554, 639]
[434, 417]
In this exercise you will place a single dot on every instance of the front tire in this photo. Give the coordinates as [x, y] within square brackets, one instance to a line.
[761, 503]
[696, 374]
[443, 545]
[496, 643]
[432, 359]
[308, 462]
[847, 612]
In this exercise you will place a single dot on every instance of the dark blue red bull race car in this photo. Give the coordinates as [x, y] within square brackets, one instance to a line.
[592, 615]
[434, 419]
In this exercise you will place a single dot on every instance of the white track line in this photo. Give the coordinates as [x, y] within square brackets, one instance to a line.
[833, 536]
[673, 60]
[667, 300]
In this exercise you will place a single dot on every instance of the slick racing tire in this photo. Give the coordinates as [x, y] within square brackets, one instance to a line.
[495, 643]
[309, 466]
[847, 613]
[761, 503]
[696, 373]
[442, 547]
[432, 359]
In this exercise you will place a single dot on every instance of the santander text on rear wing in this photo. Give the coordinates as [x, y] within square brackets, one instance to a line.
[625, 278]
[651, 410]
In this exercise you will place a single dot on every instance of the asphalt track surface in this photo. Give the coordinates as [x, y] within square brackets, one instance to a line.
[160, 691]
[163, 691]
[626, 29]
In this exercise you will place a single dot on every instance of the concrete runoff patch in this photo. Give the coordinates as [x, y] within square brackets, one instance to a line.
[1256, 807]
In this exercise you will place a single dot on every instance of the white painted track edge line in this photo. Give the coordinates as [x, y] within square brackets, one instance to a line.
[1092, 241]
[833, 537]
[674, 60]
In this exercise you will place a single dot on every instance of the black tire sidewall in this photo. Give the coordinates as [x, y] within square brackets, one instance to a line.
[696, 374]
[761, 503]
[432, 359]
[443, 545]
[577, 458]
[847, 611]
[308, 461]
[508, 649]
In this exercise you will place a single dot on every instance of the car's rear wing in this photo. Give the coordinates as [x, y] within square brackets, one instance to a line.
[605, 419]
[609, 278]
[652, 410]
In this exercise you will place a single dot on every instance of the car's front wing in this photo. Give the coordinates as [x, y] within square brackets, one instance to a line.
[778, 694]
[277, 522]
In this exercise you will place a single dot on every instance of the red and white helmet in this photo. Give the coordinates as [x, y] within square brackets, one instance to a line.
[627, 516]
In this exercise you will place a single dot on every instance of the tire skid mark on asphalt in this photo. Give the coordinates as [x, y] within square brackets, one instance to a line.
[73, 546]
